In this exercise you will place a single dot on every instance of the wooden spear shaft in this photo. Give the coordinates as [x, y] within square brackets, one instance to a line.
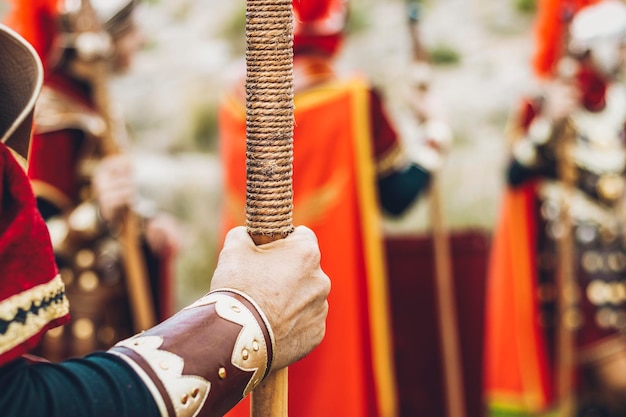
[136, 276]
[444, 283]
[565, 278]
[269, 150]
[446, 302]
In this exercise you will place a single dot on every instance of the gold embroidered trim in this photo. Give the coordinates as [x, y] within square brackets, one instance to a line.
[168, 367]
[18, 332]
[392, 160]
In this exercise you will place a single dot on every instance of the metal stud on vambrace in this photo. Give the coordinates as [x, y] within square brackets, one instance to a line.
[204, 359]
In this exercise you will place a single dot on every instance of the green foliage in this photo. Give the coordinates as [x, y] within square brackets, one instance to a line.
[182, 11]
[526, 6]
[444, 55]
[358, 19]
[195, 264]
[196, 261]
[234, 30]
[203, 127]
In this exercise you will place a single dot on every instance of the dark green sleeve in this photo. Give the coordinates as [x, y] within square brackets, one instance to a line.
[100, 385]
[518, 174]
[400, 189]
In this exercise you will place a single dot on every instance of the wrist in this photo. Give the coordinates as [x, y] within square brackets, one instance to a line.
[540, 131]
[205, 358]
[525, 152]
[438, 132]
[538, 134]
[428, 158]
[437, 138]
[258, 314]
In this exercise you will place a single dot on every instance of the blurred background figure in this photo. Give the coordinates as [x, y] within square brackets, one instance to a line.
[349, 163]
[479, 51]
[83, 179]
[557, 282]
[436, 276]
[170, 104]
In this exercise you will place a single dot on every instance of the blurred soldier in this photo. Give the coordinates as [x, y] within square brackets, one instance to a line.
[346, 154]
[81, 189]
[556, 315]
[267, 307]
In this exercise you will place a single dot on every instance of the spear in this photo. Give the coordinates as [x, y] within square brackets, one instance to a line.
[448, 328]
[269, 150]
[136, 276]
[565, 279]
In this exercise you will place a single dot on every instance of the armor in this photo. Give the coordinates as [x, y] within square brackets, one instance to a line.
[87, 28]
[188, 378]
[87, 250]
[599, 233]
[567, 183]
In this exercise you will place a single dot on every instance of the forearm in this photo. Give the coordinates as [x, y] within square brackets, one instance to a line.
[533, 154]
[400, 189]
[202, 360]
[517, 173]
[100, 385]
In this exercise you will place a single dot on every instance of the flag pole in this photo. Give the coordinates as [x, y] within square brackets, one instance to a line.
[454, 393]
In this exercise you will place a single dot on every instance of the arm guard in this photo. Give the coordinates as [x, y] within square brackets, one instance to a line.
[204, 359]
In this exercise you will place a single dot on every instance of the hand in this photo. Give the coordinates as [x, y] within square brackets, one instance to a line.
[163, 233]
[422, 101]
[429, 148]
[113, 186]
[434, 138]
[562, 97]
[438, 135]
[285, 279]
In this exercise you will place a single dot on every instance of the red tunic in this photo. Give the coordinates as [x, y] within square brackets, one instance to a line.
[343, 143]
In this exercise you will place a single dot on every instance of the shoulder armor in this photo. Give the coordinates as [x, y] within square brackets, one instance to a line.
[57, 111]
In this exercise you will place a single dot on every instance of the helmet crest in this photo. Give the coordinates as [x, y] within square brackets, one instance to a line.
[319, 25]
[52, 25]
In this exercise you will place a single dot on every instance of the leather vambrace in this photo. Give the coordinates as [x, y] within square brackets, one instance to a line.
[204, 359]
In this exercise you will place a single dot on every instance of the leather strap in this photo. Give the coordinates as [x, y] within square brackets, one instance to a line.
[204, 359]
